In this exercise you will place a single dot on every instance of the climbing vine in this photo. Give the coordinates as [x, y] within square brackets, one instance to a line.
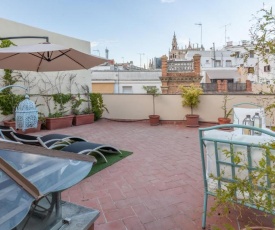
[8, 100]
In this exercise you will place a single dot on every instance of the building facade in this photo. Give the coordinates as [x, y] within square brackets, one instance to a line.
[179, 54]
[177, 70]
[182, 72]
[120, 81]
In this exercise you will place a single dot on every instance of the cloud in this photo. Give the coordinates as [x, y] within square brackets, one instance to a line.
[103, 43]
[168, 1]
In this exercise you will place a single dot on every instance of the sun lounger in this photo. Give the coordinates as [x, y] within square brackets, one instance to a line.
[45, 141]
[5, 133]
[61, 142]
[37, 141]
[89, 148]
[63, 137]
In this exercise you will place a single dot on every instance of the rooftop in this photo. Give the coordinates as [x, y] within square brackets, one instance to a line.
[158, 187]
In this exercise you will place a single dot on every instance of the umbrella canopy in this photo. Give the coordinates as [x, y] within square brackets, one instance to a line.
[45, 57]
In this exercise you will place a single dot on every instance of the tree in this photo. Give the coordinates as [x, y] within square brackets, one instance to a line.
[154, 91]
[263, 34]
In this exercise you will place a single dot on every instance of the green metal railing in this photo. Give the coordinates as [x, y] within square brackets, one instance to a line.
[231, 145]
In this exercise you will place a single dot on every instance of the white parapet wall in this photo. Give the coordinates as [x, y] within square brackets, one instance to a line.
[169, 107]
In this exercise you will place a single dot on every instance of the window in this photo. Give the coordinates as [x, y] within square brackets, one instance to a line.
[207, 61]
[251, 53]
[127, 89]
[218, 63]
[267, 68]
[237, 54]
[228, 63]
[250, 70]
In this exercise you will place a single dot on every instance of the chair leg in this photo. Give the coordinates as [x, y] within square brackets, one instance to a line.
[204, 210]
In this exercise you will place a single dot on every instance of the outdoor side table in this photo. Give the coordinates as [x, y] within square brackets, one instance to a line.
[31, 181]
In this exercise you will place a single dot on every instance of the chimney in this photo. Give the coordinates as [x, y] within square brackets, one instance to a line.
[197, 63]
[164, 65]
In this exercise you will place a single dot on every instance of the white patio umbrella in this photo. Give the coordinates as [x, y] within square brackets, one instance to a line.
[45, 57]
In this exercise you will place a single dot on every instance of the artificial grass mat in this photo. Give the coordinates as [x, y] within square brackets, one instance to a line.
[111, 158]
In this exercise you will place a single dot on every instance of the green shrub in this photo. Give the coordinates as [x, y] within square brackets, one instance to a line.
[61, 99]
[98, 106]
[190, 96]
[8, 102]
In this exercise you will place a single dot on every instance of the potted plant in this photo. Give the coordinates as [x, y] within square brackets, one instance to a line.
[226, 113]
[153, 90]
[98, 106]
[58, 119]
[190, 98]
[83, 117]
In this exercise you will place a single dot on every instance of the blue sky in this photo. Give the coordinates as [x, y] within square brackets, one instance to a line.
[129, 28]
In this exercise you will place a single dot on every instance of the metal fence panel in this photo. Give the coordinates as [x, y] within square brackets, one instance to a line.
[209, 87]
[233, 87]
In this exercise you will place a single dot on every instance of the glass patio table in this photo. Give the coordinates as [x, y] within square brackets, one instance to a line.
[31, 180]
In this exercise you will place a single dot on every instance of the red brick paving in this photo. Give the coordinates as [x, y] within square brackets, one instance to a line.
[158, 187]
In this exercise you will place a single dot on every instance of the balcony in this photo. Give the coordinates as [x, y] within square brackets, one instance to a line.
[160, 185]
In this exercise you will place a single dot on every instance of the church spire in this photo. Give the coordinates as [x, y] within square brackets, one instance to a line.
[174, 42]
[189, 46]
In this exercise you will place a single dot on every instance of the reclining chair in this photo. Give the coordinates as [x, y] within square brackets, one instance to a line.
[66, 143]
[38, 141]
[5, 133]
[88, 148]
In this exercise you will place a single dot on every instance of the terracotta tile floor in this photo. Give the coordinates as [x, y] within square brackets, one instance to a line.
[158, 187]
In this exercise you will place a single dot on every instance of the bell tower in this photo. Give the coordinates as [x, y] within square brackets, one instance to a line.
[174, 42]
[175, 52]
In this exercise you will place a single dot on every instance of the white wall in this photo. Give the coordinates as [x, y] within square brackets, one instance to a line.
[169, 107]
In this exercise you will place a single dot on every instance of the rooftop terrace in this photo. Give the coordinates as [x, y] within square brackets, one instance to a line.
[158, 187]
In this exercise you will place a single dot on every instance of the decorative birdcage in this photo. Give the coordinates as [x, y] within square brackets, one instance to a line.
[26, 114]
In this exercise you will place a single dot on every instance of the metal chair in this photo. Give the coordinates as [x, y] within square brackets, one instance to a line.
[218, 169]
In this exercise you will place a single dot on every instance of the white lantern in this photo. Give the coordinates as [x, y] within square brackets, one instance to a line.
[26, 114]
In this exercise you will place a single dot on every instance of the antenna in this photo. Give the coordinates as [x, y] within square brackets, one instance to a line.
[200, 24]
[225, 31]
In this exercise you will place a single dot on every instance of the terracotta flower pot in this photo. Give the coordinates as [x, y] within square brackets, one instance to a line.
[223, 121]
[154, 120]
[59, 122]
[83, 119]
[192, 120]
